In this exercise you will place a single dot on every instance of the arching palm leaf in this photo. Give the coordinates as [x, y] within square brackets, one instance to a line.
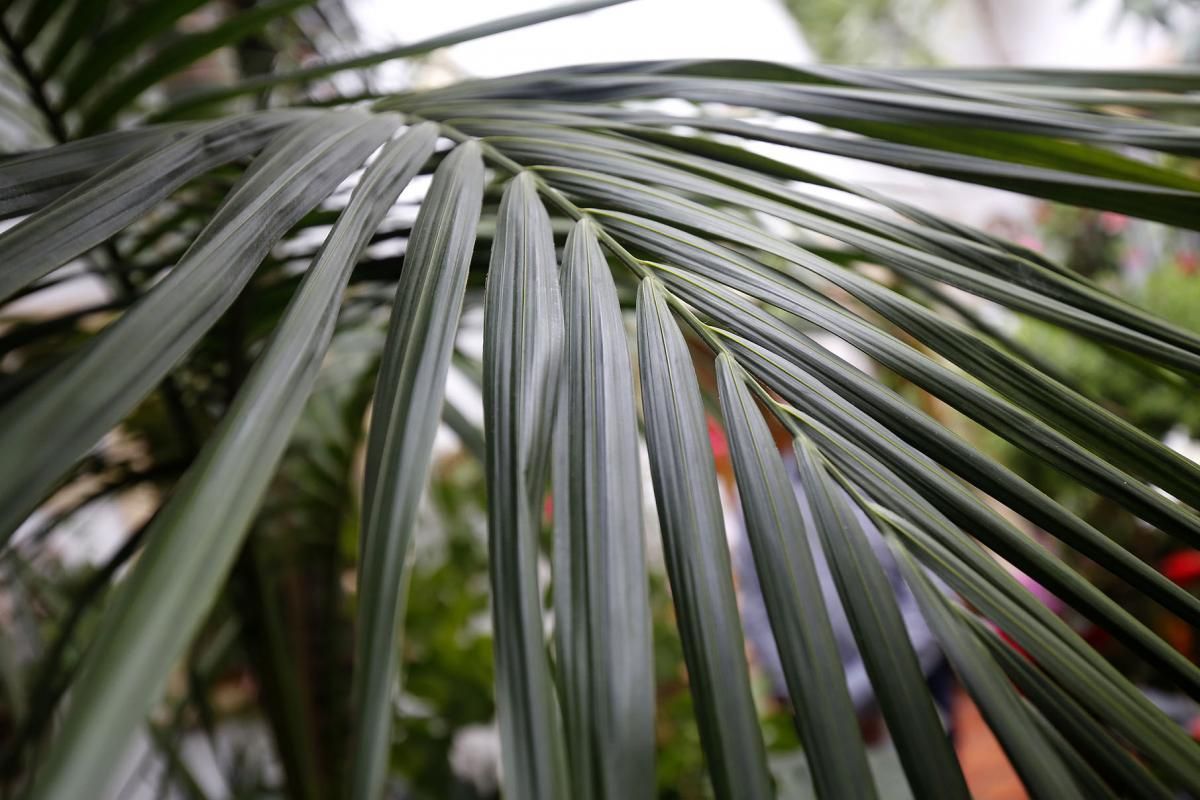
[679, 210]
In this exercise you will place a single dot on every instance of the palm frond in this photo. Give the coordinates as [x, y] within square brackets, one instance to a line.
[226, 217]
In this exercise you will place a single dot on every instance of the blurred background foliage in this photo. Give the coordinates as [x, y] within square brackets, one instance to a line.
[877, 32]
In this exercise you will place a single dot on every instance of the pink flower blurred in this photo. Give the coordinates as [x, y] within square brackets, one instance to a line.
[1030, 242]
[1113, 223]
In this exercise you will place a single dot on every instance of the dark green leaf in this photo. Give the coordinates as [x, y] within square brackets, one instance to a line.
[197, 533]
[124, 38]
[61, 416]
[1031, 754]
[603, 619]
[887, 652]
[102, 108]
[408, 397]
[697, 556]
[521, 364]
[783, 558]
[104, 205]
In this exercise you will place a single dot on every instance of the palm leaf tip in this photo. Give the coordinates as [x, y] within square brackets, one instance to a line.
[602, 614]
[521, 362]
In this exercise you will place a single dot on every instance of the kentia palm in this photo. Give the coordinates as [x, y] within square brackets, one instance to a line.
[668, 208]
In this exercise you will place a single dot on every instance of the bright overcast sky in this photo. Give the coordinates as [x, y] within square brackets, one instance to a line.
[637, 30]
[1047, 32]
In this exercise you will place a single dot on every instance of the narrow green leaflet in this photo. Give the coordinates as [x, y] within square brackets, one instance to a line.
[34, 20]
[104, 205]
[1090, 782]
[1170, 78]
[780, 543]
[30, 181]
[153, 613]
[408, 398]
[119, 41]
[738, 315]
[1031, 754]
[82, 19]
[1081, 671]
[697, 555]
[605, 662]
[183, 50]
[65, 412]
[888, 655]
[1075, 723]
[521, 364]
[885, 455]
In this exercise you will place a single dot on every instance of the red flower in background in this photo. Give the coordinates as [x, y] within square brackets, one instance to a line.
[1188, 261]
[1182, 566]
[716, 437]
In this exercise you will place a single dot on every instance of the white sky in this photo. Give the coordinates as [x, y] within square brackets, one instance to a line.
[637, 30]
[1044, 32]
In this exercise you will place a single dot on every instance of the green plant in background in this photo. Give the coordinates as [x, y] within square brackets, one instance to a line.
[867, 31]
[244, 229]
[1169, 289]
[447, 651]
[904, 32]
